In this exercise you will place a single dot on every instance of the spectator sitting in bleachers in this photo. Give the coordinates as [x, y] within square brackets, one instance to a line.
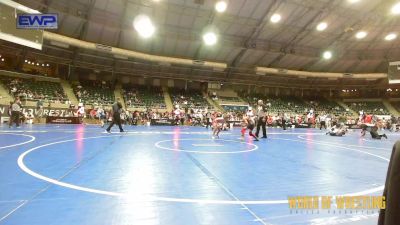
[94, 92]
[326, 106]
[32, 90]
[189, 99]
[144, 97]
[376, 108]
[213, 95]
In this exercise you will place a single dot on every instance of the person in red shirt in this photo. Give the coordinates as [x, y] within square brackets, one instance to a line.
[270, 120]
[364, 126]
[368, 119]
[93, 113]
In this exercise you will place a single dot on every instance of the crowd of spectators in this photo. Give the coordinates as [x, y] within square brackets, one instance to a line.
[94, 92]
[325, 106]
[32, 90]
[376, 108]
[189, 99]
[144, 97]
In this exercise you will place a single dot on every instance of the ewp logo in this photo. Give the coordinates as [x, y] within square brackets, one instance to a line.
[37, 21]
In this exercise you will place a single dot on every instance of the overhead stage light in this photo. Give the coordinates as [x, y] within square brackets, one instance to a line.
[361, 34]
[322, 26]
[276, 18]
[221, 6]
[144, 26]
[353, 1]
[210, 38]
[396, 8]
[391, 37]
[327, 55]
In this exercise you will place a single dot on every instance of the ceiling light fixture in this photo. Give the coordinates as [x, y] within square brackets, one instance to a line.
[396, 8]
[276, 18]
[361, 34]
[327, 55]
[144, 26]
[322, 26]
[391, 37]
[221, 6]
[210, 38]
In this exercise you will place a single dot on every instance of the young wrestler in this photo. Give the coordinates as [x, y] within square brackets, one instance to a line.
[248, 122]
[337, 130]
[217, 125]
[101, 115]
[378, 131]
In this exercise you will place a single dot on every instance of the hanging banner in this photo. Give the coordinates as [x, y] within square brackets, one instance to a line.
[40, 112]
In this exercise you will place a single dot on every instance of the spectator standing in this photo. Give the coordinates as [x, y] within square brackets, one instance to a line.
[16, 109]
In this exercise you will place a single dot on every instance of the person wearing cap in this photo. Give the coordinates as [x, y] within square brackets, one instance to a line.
[261, 122]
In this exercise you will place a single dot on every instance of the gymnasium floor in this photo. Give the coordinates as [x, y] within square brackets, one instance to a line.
[75, 174]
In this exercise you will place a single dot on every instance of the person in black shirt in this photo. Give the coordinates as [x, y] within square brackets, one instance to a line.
[16, 109]
[116, 115]
[261, 121]
[208, 119]
[391, 214]
[393, 122]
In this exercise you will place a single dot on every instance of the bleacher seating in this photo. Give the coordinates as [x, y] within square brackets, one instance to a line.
[322, 105]
[144, 97]
[287, 105]
[226, 95]
[275, 104]
[33, 90]
[375, 108]
[252, 99]
[94, 93]
[396, 105]
[191, 98]
[295, 105]
[228, 99]
[235, 108]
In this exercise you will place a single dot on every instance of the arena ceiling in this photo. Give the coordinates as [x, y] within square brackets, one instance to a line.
[247, 38]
